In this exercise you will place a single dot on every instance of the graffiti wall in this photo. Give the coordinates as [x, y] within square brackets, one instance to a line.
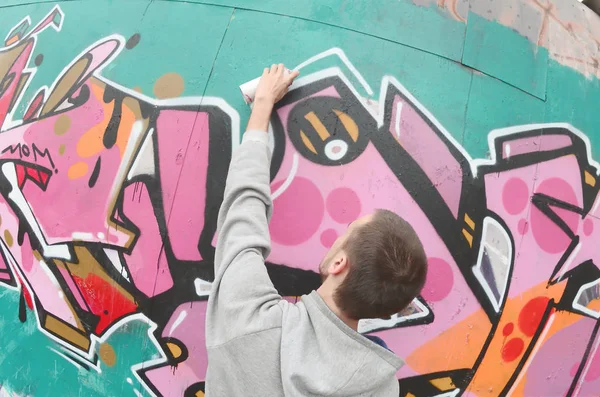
[117, 124]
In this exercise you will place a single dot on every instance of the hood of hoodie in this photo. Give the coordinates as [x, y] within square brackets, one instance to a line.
[322, 356]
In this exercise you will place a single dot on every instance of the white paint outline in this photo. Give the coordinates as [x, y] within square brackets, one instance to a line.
[69, 359]
[585, 309]
[342, 55]
[147, 144]
[115, 259]
[452, 393]
[336, 156]
[26, 19]
[199, 283]
[96, 341]
[178, 321]
[567, 265]
[388, 81]
[399, 107]
[477, 267]
[81, 236]
[596, 204]
[392, 322]
[288, 179]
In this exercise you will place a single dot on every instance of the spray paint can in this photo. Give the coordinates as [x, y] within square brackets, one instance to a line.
[248, 89]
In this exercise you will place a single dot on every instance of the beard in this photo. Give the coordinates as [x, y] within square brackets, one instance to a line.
[329, 256]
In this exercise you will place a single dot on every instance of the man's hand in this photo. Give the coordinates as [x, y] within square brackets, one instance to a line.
[273, 85]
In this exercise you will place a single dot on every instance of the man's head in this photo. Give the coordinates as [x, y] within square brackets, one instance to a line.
[376, 268]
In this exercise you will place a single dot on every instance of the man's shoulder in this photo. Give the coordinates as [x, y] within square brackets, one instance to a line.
[377, 340]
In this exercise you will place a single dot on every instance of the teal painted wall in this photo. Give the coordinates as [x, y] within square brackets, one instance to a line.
[468, 68]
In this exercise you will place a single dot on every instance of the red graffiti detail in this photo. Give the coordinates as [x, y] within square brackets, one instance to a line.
[531, 315]
[20, 174]
[34, 107]
[104, 300]
[512, 349]
[28, 299]
[44, 177]
[26, 294]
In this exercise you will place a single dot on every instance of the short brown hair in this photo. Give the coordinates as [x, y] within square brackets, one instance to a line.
[387, 268]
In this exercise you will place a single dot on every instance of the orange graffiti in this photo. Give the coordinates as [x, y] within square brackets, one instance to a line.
[78, 170]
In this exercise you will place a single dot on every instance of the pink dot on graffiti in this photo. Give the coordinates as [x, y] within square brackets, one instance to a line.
[547, 234]
[112, 238]
[440, 280]
[588, 227]
[297, 212]
[328, 237]
[343, 205]
[523, 226]
[515, 195]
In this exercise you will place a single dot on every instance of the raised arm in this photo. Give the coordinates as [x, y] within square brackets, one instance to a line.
[242, 297]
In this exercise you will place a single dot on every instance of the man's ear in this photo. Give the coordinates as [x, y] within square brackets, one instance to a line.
[339, 263]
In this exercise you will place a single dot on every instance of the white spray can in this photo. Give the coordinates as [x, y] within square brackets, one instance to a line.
[248, 89]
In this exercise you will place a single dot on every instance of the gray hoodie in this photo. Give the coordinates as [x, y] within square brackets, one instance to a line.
[259, 344]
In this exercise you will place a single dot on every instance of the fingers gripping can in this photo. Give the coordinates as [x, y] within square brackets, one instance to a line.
[248, 89]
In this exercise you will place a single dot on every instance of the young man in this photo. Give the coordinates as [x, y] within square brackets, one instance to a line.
[261, 345]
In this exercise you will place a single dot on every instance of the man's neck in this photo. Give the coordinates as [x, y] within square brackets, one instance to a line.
[327, 297]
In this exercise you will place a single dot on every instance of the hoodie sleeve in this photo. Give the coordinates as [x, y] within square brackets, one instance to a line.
[243, 299]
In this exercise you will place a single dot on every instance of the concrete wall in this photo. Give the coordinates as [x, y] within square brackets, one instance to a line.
[475, 120]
